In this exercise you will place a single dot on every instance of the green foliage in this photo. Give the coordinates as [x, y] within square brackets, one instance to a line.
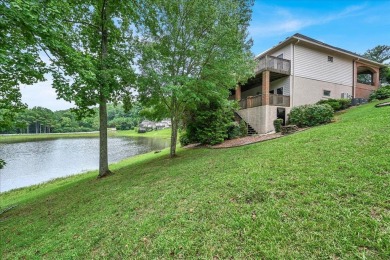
[20, 62]
[278, 124]
[310, 115]
[381, 93]
[319, 194]
[184, 139]
[43, 120]
[336, 104]
[210, 122]
[192, 51]
[234, 130]
[381, 54]
[243, 128]
[2, 163]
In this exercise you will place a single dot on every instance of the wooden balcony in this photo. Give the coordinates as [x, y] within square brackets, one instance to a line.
[255, 101]
[273, 64]
[279, 100]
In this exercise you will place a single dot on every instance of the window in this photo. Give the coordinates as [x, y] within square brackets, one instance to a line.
[272, 91]
[280, 56]
[326, 93]
[279, 91]
[330, 58]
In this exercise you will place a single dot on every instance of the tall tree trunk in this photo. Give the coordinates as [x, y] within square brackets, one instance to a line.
[103, 150]
[36, 127]
[103, 147]
[175, 124]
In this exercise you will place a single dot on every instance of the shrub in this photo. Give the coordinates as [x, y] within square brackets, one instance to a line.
[311, 115]
[184, 139]
[278, 124]
[210, 123]
[234, 130]
[336, 104]
[243, 128]
[381, 93]
[345, 103]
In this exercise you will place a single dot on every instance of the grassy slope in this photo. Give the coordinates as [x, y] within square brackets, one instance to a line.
[164, 133]
[321, 193]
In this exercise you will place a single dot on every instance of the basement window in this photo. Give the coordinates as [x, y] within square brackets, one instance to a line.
[326, 93]
[330, 58]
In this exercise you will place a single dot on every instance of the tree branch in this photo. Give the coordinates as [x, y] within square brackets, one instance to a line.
[81, 22]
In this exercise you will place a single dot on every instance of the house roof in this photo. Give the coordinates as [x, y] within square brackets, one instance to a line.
[300, 37]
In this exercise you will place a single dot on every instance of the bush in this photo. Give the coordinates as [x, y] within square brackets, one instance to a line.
[184, 139]
[345, 103]
[278, 124]
[211, 123]
[243, 128]
[311, 115]
[233, 130]
[336, 104]
[381, 93]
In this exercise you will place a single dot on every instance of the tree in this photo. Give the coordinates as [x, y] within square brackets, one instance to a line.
[381, 54]
[20, 62]
[95, 54]
[190, 51]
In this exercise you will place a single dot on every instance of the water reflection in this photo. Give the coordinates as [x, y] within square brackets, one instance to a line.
[31, 163]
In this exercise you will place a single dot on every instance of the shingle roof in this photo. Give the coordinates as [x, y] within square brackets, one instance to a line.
[298, 35]
[309, 39]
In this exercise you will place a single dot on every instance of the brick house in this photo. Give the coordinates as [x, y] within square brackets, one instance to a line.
[301, 70]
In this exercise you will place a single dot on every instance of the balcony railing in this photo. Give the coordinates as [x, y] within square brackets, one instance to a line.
[279, 100]
[256, 101]
[274, 64]
[252, 101]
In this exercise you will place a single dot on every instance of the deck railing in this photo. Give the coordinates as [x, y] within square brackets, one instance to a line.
[256, 101]
[279, 100]
[252, 101]
[274, 64]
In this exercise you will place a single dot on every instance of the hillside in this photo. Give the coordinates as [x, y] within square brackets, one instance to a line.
[320, 193]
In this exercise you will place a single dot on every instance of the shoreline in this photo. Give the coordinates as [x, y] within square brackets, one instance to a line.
[16, 138]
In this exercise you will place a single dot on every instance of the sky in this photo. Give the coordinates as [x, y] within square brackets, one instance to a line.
[352, 25]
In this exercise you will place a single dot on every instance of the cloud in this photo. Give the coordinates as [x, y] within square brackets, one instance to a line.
[43, 95]
[278, 21]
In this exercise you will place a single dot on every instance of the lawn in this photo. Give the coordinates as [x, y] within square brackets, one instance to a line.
[321, 193]
[44, 136]
[165, 133]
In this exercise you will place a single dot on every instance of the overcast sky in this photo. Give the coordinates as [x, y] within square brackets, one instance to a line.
[352, 25]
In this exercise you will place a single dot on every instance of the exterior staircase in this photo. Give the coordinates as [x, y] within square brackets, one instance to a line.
[250, 130]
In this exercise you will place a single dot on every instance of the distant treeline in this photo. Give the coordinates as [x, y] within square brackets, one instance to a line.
[43, 120]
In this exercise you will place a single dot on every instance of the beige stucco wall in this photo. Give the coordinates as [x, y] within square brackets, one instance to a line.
[309, 91]
[261, 118]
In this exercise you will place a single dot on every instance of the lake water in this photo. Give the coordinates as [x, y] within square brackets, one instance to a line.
[30, 163]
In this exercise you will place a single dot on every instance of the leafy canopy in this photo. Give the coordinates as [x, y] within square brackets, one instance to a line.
[191, 51]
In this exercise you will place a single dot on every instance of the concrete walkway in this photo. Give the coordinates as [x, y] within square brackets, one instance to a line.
[246, 140]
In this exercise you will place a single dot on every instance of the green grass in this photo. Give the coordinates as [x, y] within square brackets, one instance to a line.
[39, 137]
[165, 133]
[318, 194]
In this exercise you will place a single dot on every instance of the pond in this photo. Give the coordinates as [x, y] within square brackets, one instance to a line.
[30, 163]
